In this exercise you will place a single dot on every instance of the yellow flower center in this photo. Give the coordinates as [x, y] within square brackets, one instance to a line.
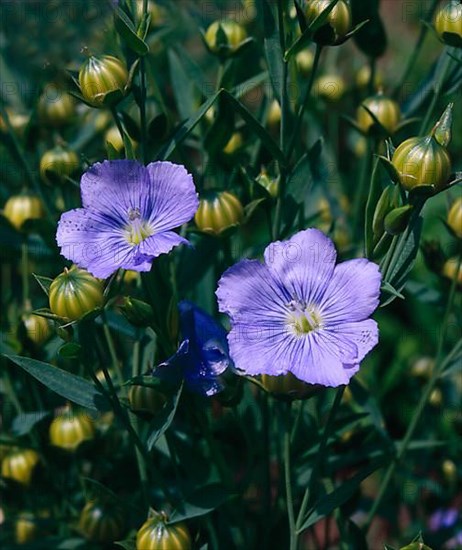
[137, 230]
[302, 318]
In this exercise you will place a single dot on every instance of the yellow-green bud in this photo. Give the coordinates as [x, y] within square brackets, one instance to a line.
[386, 111]
[25, 528]
[448, 23]
[146, 400]
[363, 77]
[20, 208]
[422, 161]
[37, 328]
[55, 106]
[99, 76]
[337, 25]
[218, 211]
[71, 428]
[450, 270]
[455, 217]
[234, 144]
[397, 220]
[137, 312]
[330, 87]
[225, 37]
[287, 386]
[449, 471]
[57, 164]
[270, 184]
[384, 206]
[274, 114]
[304, 61]
[156, 533]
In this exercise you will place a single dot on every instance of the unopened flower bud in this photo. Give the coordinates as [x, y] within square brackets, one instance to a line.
[225, 37]
[20, 208]
[449, 471]
[455, 217]
[274, 114]
[363, 77]
[330, 87]
[144, 399]
[270, 184]
[100, 76]
[218, 211]
[234, 144]
[450, 270]
[397, 220]
[384, 207]
[304, 61]
[56, 107]
[57, 164]
[137, 312]
[37, 328]
[385, 110]
[448, 23]
[287, 386]
[337, 25]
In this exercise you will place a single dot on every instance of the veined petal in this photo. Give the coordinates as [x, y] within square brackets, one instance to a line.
[114, 187]
[160, 243]
[364, 335]
[172, 196]
[352, 294]
[305, 263]
[248, 291]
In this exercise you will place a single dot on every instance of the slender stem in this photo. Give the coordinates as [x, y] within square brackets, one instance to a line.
[358, 200]
[319, 459]
[374, 190]
[288, 479]
[438, 88]
[112, 350]
[438, 369]
[303, 105]
[25, 273]
[143, 94]
[266, 426]
[415, 54]
[22, 156]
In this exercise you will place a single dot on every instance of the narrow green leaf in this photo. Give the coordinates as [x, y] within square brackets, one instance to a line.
[300, 180]
[272, 46]
[44, 282]
[67, 385]
[25, 422]
[201, 502]
[162, 422]
[127, 32]
[328, 503]
[182, 86]
[71, 350]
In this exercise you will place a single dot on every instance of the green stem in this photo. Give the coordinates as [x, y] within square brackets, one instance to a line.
[288, 479]
[112, 350]
[415, 54]
[358, 200]
[372, 199]
[25, 274]
[315, 474]
[143, 94]
[438, 88]
[303, 105]
[438, 369]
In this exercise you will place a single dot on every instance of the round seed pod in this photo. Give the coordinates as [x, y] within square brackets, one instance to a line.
[25, 528]
[218, 211]
[384, 109]
[101, 523]
[99, 76]
[234, 144]
[287, 386]
[363, 77]
[455, 217]
[337, 25]
[18, 121]
[450, 270]
[56, 107]
[57, 164]
[304, 61]
[448, 21]
[422, 161]
[225, 36]
[74, 293]
[38, 328]
[70, 429]
[19, 465]
[146, 400]
[20, 208]
[330, 87]
[113, 137]
[273, 117]
[156, 534]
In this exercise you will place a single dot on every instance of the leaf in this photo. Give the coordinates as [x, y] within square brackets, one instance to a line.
[390, 168]
[201, 502]
[185, 129]
[162, 421]
[250, 208]
[25, 422]
[71, 350]
[67, 385]
[127, 32]
[273, 51]
[328, 503]
[127, 544]
[95, 490]
[44, 282]
[182, 86]
[300, 180]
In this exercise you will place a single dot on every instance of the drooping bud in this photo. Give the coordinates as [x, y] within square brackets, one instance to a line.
[57, 164]
[224, 38]
[337, 25]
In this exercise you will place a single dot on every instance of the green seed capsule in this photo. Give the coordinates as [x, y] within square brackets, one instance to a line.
[20, 208]
[337, 25]
[100, 76]
[74, 293]
[19, 465]
[37, 328]
[58, 164]
[101, 522]
[225, 37]
[448, 21]
[384, 206]
[455, 217]
[397, 220]
[218, 211]
[287, 386]
[422, 161]
[156, 534]
[386, 111]
[56, 107]
[329, 87]
[147, 400]
[70, 429]
[25, 528]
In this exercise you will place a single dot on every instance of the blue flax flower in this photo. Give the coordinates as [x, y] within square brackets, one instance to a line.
[299, 312]
[202, 355]
[129, 211]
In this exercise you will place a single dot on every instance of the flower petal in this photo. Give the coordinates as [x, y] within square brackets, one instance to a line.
[93, 241]
[364, 335]
[352, 294]
[160, 243]
[114, 187]
[249, 292]
[304, 263]
[172, 196]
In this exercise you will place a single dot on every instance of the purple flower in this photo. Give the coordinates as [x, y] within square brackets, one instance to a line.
[299, 312]
[202, 356]
[129, 211]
